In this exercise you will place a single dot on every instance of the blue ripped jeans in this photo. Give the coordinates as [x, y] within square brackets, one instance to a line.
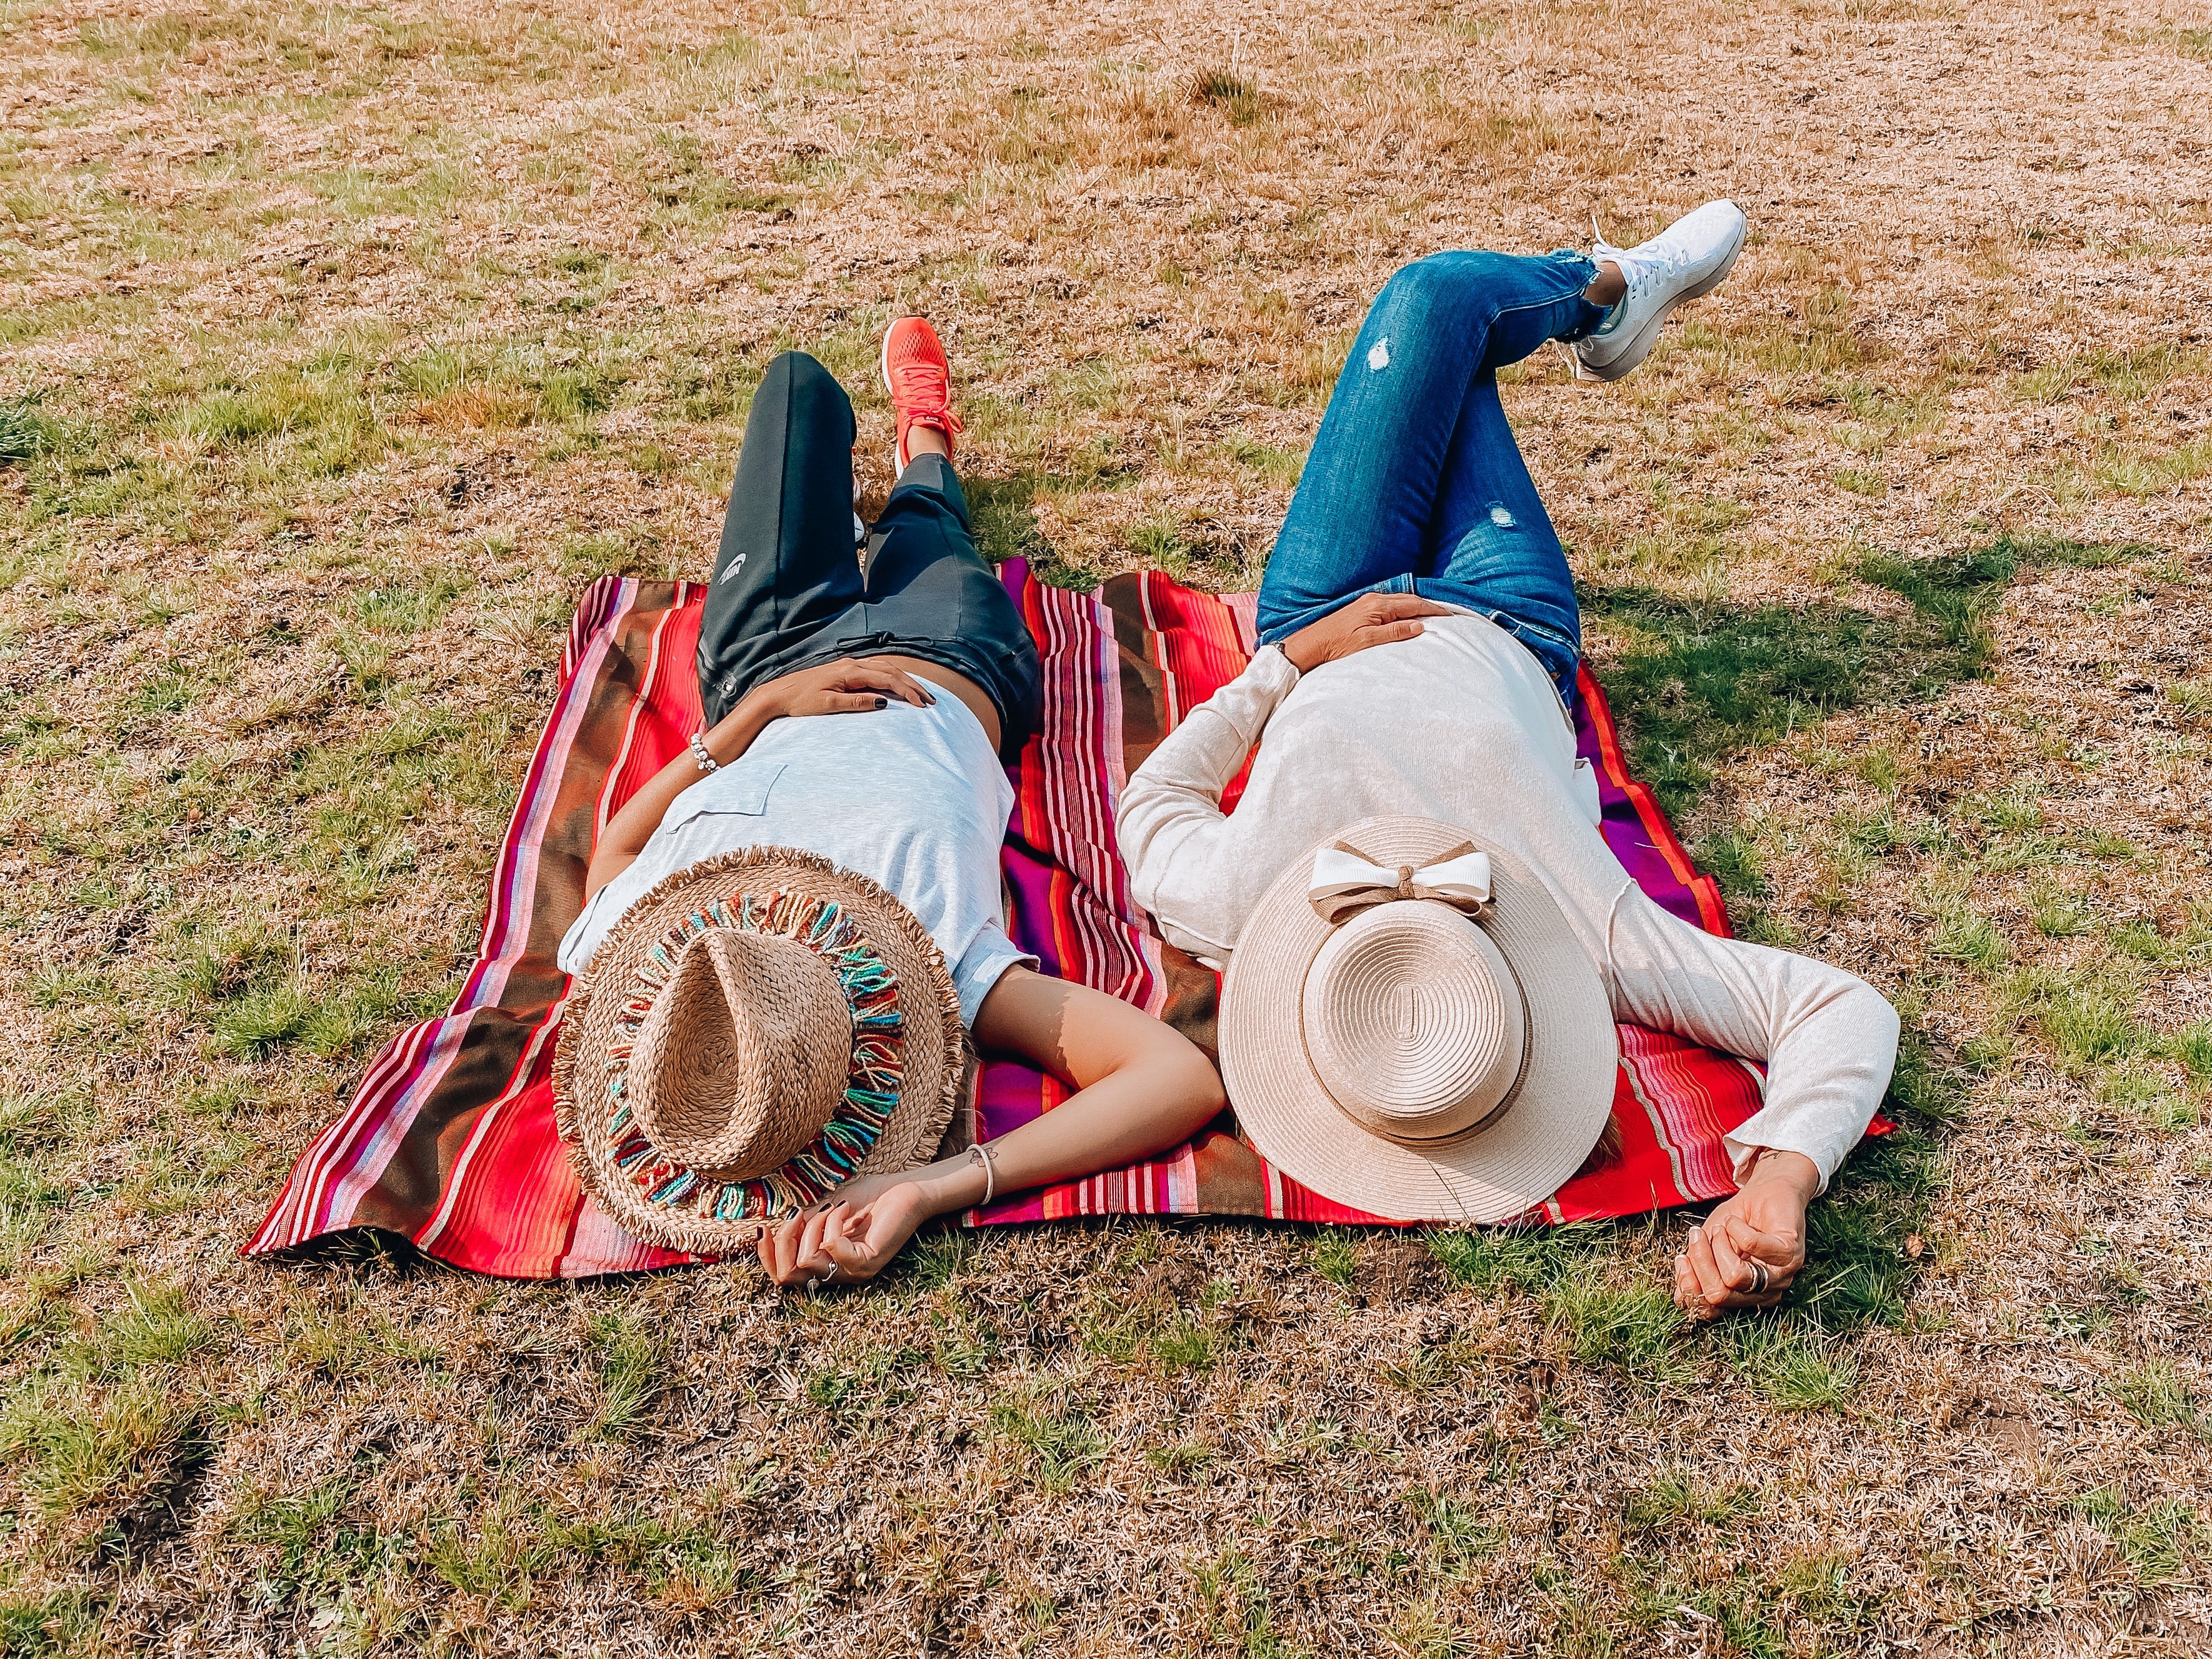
[1414, 485]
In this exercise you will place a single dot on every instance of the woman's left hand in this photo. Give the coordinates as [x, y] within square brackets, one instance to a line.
[1747, 1252]
[844, 1241]
[1139, 1087]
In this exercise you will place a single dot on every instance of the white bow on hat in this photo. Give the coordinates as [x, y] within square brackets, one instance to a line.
[1345, 881]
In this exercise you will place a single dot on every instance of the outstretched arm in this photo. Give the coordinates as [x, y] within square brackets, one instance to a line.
[1141, 1088]
[1829, 1041]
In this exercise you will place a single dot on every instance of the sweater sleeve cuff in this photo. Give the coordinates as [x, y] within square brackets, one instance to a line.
[1742, 1154]
[1273, 671]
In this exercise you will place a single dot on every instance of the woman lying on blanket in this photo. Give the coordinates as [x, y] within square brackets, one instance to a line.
[1428, 941]
[786, 930]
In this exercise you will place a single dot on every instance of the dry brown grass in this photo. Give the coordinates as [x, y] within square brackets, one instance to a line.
[339, 347]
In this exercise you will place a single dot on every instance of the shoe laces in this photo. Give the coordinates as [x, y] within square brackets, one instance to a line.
[1639, 265]
[923, 392]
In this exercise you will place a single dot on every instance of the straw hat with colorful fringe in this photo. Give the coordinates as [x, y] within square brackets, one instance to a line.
[756, 1031]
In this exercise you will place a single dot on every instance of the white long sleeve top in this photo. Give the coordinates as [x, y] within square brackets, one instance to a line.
[1461, 724]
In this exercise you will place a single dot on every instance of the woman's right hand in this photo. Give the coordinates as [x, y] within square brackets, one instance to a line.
[1370, 619]
[843, 687]
[847, 1242]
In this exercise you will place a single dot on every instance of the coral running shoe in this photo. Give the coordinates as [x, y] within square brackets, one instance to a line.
[920, 383]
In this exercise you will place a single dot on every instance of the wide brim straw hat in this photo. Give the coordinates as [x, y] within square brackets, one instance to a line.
[756, 1031]
[1409, 1027]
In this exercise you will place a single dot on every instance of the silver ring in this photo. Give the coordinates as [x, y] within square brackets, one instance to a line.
[1758, 1277]
[820, 1279]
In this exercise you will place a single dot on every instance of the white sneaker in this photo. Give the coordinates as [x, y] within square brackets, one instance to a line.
[1688, 258]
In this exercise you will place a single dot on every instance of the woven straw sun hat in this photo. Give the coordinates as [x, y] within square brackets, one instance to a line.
[756, 1031]
[1409, 1027]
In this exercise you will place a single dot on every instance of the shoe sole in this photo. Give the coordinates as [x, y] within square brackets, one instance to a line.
[883, 368]
[1647, 337]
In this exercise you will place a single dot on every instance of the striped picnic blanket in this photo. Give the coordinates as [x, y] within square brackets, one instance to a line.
[450, 1139]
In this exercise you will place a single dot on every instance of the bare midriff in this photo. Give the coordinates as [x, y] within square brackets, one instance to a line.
[958, 684]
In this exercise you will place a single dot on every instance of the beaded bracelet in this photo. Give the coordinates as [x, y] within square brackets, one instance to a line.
[707, 762]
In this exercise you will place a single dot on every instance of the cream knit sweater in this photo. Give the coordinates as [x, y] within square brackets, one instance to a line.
[1461, 724]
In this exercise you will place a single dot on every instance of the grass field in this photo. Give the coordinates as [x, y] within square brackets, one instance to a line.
[340, 347]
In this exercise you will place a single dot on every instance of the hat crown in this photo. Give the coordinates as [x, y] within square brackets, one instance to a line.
[743, 1056]
[1413, 1022]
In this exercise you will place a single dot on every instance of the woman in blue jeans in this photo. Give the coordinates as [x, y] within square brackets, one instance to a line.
[1420, 643]
[1415, 486]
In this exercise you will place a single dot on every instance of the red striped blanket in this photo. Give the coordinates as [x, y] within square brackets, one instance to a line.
[450, 1139]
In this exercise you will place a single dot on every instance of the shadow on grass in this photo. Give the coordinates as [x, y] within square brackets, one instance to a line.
[1002, 511]
[1694, 683]
[1004, 514]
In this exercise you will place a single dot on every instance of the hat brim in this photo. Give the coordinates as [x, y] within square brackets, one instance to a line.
[593, 1042]
[1503, 1171]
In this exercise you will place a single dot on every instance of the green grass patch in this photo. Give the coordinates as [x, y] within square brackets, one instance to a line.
[1053, 1424]
[1694, 682]
[1185, 1343]
[35, 1622]
[1145, 1310]
[308, 425]
[2088, 1019]
[27, 432]
[2158, 1539]
[2151, 469]
[35, 1129]
[1458, 1531]
[1279, 468]
[1793, 1363]
[1524, 1259]
[1334, 1257]
[1819, 341]
[1962, 933]
[1232, 94]
[2060, 913]
[630, 1376]
[102, 1426]
[2129, 373]
[407, 607]
[1674, 1496]
[2155, 1395]
[1235, 1611]
[1633, 1327]
[1690, 539]
[1859, 1270]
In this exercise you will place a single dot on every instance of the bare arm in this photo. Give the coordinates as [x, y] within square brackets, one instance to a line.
[1141, 1087]
[846, 687]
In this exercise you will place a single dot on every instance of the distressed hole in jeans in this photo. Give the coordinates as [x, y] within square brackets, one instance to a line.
[1498, 515]
[1378, 358]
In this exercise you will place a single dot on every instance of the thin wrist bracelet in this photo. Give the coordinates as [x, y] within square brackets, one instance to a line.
[979, 1153]
[707, 762]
